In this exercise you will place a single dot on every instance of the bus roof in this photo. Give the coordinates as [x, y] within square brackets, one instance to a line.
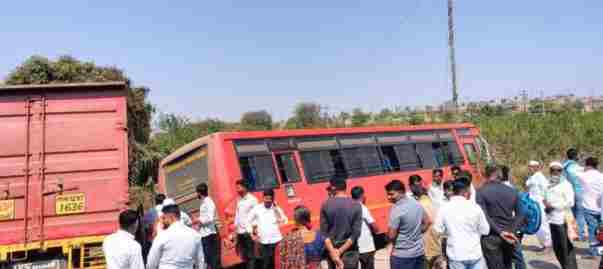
[305, 132]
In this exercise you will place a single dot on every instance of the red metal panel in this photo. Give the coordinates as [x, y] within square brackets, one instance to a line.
[77, 143]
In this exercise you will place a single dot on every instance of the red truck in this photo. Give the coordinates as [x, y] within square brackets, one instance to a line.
[63, 172]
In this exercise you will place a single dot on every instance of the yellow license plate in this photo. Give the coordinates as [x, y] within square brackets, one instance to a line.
[7, 209]
[70, 203]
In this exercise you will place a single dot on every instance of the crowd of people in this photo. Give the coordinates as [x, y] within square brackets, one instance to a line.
[450, 223]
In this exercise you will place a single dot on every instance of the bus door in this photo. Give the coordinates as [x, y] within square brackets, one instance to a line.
[292, 187]
[468, 141]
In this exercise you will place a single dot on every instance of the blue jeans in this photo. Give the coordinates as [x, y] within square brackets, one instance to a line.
[578, 211]
[407, 263]
[471, 264]
[518, 258]
[593, 219]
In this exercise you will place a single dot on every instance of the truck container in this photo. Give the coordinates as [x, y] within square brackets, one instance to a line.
[63, 172]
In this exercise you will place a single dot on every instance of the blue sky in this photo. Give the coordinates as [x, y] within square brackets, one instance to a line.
[222, 58]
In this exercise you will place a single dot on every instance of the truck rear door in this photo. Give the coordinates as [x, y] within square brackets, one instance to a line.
[63, 163]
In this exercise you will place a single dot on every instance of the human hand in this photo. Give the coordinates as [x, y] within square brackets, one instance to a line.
[509, 237]
[335, 253]
[338, 263]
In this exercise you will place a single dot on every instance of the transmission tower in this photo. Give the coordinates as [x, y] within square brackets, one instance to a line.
[455, 93]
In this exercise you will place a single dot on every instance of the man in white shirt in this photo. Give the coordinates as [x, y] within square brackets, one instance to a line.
[120, 249]
[178, 246]
[592, 183]
[464, 223]
[558, 200]
[537, 185]
[243, 240]
[264, 221]
[436, 191]
[207, 227]
[366, 243]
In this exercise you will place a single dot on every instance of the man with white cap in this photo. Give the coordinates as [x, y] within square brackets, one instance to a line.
[537, 185]
[558, 201]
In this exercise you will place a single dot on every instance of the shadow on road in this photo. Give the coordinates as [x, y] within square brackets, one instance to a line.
[543, 265]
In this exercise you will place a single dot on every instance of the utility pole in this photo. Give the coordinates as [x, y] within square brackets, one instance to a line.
[455, 94]
[542, 97]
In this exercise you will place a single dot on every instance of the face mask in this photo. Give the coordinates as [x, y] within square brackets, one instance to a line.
[267, 204]
[555, 179]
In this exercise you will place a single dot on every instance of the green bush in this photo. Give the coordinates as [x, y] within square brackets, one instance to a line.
[516, 139]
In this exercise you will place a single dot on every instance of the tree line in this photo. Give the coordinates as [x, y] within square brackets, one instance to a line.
[515, 138]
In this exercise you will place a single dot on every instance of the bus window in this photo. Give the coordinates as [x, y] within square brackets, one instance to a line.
[407, 157]
[471, 153]
[390, 159]
[439, 154]
[287, 168]
[427, 154]
[454, 155]
[258, 171]
[446, 153]
[362, 161]
[323, 165]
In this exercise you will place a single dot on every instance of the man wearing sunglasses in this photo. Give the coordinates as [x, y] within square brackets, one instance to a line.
[559, 199]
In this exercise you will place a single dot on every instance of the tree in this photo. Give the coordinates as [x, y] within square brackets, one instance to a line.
[360, 118]
[386, 117]
[342, 119]
[256, 120]
[416, 119]
[66, 69]
[306, 115]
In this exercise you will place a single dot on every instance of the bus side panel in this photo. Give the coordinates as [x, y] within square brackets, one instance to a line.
[225, 172]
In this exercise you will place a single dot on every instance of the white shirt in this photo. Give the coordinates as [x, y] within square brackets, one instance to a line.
[207, 217]
[244, 207]
[464, 222]
[473, 195]
[537, 185]
[177, 247]
[436, 193]
[561, 198]
[267, 221]
[592, 183]
[366, 243]
[122, 251]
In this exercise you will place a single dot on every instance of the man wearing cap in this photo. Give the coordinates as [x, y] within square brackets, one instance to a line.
[558, 199]
[537, 185]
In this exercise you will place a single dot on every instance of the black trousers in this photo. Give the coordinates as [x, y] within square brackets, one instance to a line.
[497, 252]
[367, 260]
[246, 249]
[267, 255]
[564, 249]
[211, 250]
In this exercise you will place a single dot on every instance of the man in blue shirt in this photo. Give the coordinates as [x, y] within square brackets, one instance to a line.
[571, 168]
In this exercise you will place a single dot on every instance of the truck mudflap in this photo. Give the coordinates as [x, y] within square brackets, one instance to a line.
[81, 252]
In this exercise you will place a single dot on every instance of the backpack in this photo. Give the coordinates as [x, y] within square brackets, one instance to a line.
[531, 210]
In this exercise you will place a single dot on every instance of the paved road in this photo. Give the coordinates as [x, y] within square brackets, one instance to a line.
[534, 260]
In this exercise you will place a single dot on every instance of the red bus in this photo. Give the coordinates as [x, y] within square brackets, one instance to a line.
[297, 164]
